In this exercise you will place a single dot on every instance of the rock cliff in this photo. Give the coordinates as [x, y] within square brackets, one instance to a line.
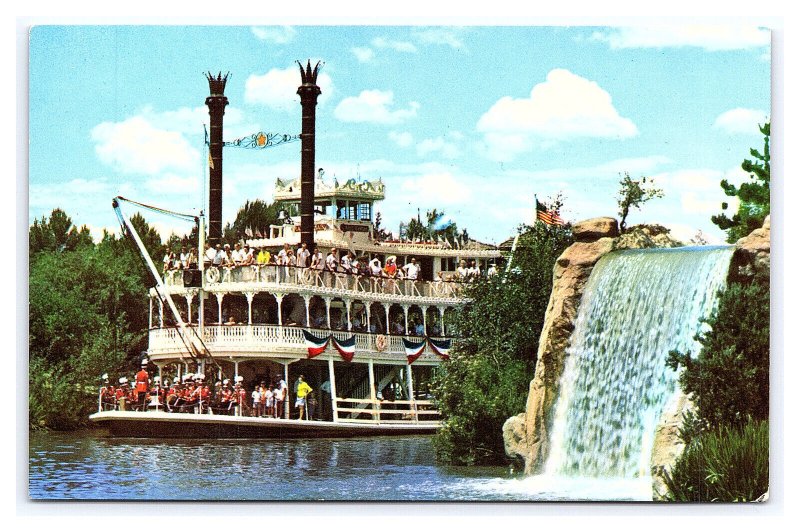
[526, 435]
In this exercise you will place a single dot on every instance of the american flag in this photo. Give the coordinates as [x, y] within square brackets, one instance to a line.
[548, 217]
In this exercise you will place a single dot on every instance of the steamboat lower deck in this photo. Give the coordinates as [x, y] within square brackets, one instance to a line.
[190, 426]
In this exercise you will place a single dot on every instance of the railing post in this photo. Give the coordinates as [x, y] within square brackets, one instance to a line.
[332, 377]
[376, 416]
[412, 400]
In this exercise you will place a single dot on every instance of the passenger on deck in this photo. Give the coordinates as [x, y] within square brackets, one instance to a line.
[107, 395]
[208, 255]
[257, 410]
[317, 260]
[281, 395]
[122, 394]
[269, 400]
[142, 385]
[219, 257]
[303, 389]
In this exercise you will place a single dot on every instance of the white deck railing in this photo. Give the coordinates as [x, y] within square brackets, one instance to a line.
[293, 278]
[263, 339]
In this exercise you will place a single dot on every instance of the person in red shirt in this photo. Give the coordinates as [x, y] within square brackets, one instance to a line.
[121, 394]
[142, 385]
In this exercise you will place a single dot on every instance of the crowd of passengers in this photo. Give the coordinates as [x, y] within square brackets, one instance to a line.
[302, 257]
[192, 394]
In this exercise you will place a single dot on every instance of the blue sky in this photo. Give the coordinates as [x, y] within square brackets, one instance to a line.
[471, 120]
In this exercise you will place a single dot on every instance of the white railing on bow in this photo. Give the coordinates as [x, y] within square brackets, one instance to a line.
[295, 278]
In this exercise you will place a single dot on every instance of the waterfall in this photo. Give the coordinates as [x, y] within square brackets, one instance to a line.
[637, 306]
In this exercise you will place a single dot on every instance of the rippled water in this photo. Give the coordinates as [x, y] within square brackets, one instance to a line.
[89, 466]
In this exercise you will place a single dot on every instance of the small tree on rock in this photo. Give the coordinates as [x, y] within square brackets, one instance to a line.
[633, 193]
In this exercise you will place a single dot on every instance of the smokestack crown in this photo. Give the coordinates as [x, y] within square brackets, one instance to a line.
[217, 84]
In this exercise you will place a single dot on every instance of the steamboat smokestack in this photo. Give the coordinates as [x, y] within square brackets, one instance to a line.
[308, 91]
[216, 103]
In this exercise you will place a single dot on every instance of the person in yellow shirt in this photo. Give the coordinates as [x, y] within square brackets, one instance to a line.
[303, 389]
[263, 257]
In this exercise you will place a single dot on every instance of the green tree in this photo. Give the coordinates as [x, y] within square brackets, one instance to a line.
[729, 379]
[57, 234]
[633, 193]
[87, 315]
[753, 195]
[486, 379]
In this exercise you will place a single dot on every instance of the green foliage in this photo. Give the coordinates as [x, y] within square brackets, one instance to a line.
[634, 193]
[753, 195]
[434, 227]
[486, 379]
[729, 379]
[254, 216]
[57, 234]
[87, 315]
[728, 464]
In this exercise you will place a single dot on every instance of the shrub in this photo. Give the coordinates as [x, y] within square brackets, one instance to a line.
[727, 464]
[486, 379]
[729, 379]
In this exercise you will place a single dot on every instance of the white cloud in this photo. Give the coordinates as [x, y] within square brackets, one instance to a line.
[445, 36]
[397, 46]
[174, 184]
[698, 190]
[443, 186]
[712, 37]
[364, 55]
[447, 149]
[565, 106]
[741, 120]
[403, 139]
[275, 34]
[277, 89]
[373, 106]
[137, 146]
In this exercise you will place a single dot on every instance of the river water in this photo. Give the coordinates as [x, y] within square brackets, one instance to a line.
[91, 466]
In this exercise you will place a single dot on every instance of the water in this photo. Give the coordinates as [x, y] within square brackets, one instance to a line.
[638, 305]
[90, 466]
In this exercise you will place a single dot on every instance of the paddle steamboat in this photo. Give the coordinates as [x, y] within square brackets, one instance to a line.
[367, 342]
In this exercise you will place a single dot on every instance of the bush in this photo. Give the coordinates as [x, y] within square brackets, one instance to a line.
[729, 379]
[486, 379]
[728, 464]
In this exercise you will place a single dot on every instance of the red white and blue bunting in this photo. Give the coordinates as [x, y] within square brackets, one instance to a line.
[315, 345]
[346, 348]
[413, 349]
[440, 347]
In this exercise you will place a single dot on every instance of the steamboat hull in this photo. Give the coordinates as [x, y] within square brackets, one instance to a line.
[192, 426]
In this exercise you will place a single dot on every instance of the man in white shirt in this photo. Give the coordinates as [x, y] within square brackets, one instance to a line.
[462, 271]
[219, 257]
[303, 255]
[410, 271]
[209, 253]
[236, 254]
[283, 260]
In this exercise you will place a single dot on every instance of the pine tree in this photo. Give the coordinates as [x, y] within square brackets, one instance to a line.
[753, 195]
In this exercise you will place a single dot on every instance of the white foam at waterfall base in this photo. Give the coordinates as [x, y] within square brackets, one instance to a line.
[637, 306]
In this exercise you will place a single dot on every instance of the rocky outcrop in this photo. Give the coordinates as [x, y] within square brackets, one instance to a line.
[526, 435]
[594, 229]
[667, 443]
[646, 236]
[752, 254]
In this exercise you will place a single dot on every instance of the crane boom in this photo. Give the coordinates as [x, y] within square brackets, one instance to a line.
[191, 340]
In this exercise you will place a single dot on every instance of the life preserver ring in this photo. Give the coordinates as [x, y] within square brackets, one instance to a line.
[212, 274]
[380, 342]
